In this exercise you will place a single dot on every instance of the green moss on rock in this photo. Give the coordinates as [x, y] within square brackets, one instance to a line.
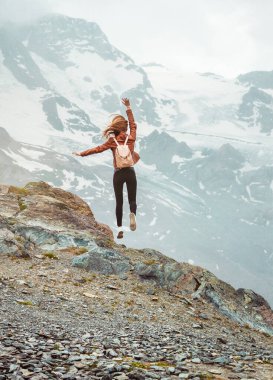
[51, 255]
[18, 190]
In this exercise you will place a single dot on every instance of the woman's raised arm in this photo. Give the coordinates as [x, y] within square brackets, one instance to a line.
[129, 112]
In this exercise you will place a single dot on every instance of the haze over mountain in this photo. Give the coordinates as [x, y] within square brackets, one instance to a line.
[205, 185]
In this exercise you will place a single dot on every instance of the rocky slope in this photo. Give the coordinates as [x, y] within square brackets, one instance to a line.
[75, 305]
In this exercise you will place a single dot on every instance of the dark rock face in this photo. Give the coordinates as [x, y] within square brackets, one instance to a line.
[256, 109]
[256, 302]
[228, 157]
[217, 171]
[46, 217]
[243, 306]
[77, 120]
[154, 145]
[19, 61]
[260, 79]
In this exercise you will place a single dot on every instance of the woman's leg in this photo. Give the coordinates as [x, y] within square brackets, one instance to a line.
[131, 183]
[118, 181]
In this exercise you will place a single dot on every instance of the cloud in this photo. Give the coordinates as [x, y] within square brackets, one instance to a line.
[23, 11]
[227, 37]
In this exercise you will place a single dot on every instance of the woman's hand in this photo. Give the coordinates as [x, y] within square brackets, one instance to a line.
[126, 102]
[76, 153]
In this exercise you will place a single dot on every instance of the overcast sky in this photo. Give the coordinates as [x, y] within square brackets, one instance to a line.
[227, 37]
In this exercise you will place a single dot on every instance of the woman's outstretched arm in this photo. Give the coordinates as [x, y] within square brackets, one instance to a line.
[131, 119]
[98, 149]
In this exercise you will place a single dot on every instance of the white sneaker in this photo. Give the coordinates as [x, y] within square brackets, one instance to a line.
[132, 221]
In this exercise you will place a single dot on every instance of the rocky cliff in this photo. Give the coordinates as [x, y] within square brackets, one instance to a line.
[74, 303]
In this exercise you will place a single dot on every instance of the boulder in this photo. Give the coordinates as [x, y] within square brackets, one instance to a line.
[164, 275]
[7, 242]
[104, 261]
[52, 208]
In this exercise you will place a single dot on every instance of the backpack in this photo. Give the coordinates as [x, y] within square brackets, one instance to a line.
[123, 155]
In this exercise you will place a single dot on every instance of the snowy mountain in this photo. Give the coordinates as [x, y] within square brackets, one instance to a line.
[23, 162]
[205, 181]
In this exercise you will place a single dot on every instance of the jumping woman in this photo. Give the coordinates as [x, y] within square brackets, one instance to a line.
[124, 157]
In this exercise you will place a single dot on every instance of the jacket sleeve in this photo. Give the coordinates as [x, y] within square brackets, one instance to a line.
[132, 123]
[98, 149]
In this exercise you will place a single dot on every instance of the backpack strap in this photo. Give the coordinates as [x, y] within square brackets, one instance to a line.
[116, 141]
[125, 142]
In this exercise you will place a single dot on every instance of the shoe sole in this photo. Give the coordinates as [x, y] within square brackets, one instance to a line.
[132, 221]
[120, 235]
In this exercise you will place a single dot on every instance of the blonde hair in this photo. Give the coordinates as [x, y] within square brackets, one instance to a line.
[117, 125]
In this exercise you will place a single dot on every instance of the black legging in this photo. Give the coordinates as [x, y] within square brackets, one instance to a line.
[127, 175]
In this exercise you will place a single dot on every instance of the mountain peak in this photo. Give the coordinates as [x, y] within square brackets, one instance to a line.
[228, 155]
[260, 79]
[59, 21]
[55, 36]
[5, 138]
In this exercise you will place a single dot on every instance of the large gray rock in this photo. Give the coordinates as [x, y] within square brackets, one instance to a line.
[9, 205]
[7, 242]
[164, 275]
[40, 217]
[47, 239]
[104, 261]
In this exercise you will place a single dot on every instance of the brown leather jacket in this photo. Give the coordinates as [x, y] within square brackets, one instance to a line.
[111, 144]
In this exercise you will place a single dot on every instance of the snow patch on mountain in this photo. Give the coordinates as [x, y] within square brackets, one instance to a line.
[25, 163]
[20, 108]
